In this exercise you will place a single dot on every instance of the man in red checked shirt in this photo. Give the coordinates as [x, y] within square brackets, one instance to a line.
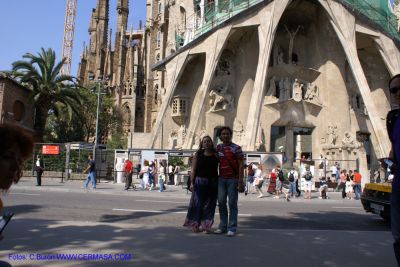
[128, 173]
[230, 181]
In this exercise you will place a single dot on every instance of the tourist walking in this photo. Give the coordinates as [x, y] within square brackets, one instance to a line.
[393, 129]
[230, 181]
[293, 177]
[308, 183]
[249, 178]
[258, 180]
[91, 168]
[145, 172]
[128, 174]
[204, 187]
[177, 169]
[152, 171]
[323, 187]
[279, 181]
[357, 184]
[170, 174]
[349, 187]
[161, 176]
[343, 178]
[39, 170]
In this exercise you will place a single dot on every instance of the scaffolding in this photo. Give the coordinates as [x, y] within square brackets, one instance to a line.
[379, 12]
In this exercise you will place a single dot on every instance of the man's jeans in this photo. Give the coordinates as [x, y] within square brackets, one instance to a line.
[292, 188]
[227, 188]
[357, 190]
[92, 177]
[395, 222]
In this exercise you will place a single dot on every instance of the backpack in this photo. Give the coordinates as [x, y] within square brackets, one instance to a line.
[308, 176]
[291, 177]
[280, 175]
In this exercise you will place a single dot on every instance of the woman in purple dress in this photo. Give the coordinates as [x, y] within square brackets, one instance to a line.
[204, 187]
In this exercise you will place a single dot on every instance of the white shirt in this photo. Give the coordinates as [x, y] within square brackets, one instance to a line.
[38, 163]
[333, 169]
[170, 169]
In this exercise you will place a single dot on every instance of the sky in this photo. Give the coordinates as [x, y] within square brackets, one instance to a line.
[28, 25]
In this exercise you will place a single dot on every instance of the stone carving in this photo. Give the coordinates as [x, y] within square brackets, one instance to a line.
[221, 100]
[396, 11]
[332, 134]
[297, 91]
[292, 35]
[285, 86]
[280, 61]
[224, 63]
[312, 94]
[181, 136]
[173, 140]
[272, 87]
[238, 131]
[348, 141]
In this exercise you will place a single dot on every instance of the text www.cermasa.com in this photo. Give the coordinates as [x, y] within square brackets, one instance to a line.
[71, 257]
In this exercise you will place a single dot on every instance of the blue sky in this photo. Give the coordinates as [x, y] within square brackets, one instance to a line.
[28, 25]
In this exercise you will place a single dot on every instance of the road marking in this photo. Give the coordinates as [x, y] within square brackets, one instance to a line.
[26, 194]
[346, 207]
[177, 212]
[162, 201]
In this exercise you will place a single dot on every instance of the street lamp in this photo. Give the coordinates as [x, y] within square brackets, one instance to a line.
[99, 80]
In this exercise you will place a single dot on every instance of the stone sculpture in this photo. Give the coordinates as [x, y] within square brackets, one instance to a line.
[332, 134]
[312, 94]
[221, 100]
[297, 90]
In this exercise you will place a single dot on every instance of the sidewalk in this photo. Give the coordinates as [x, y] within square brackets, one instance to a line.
[102, 187]
[108, 187]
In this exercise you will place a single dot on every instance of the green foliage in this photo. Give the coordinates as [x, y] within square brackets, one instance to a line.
[82, 126]
[52, 92]
[118, 141]
[176, 161]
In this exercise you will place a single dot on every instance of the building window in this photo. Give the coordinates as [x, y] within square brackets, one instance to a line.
[183, 18]
[179, 105]
[158, 57]
[158, 39]
[159, 8]
[156, 94]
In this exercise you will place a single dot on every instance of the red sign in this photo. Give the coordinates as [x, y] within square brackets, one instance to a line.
[50, 150]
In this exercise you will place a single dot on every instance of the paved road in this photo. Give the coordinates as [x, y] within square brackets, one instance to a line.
[65, 219]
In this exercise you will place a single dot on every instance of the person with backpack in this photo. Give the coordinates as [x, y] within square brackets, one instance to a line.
[293, 177]
[279, 181]
[308, 183]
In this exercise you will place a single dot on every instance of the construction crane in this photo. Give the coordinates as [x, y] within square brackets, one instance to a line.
[69, 29]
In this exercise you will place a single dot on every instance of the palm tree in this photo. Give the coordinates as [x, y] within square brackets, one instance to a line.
[50, 89]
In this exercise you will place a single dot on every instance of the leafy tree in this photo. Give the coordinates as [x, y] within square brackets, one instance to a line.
[83, 125]
[51, 91]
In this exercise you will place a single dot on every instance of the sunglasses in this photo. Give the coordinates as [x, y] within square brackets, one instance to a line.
[394, 90]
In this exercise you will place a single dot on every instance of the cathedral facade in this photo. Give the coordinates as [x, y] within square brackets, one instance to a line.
[305, 77]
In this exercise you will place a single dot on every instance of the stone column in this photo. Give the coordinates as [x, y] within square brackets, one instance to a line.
[266, 33]
[344, 25]
[298, 146]
[390, 54]
[178, 65]
[213, 48]
[289, 144]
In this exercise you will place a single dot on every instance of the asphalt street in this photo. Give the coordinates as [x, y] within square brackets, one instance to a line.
[145, 229]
